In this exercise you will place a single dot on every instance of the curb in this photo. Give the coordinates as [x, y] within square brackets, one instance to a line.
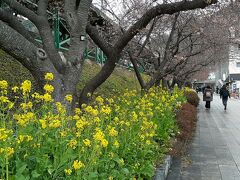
[162, 171]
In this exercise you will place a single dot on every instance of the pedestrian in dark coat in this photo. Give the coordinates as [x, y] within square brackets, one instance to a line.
[224, 94]
[207, 96]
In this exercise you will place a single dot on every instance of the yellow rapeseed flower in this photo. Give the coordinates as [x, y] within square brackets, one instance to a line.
[134, 116]
[113, 132]
[121, 162]
[63, 133]
[81, 123]
[77, 164]
[99, 136]
[4, 134]
[68, 171]
[15, 88]
[36, 95]
[43, 123]
[96, 119]
[9, 151]
[72, 143]
[29, 138]
[55, 124]
[47, 97]
[26, 106]
[77, 110]
[148, 142]
[68, 98]
[78, 134]
[116, 144]
[3, 85]
[87, 142]
[4, 99]
[88, 109]
[23, 119]
[106, 110]
[99, 100]
[20, 138]
[10, 105]
[26, 86]
[104, 142]
[94, 112]
[49, 76]
[48, 88]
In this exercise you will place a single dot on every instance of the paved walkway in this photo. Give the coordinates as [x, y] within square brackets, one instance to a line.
[215, 150]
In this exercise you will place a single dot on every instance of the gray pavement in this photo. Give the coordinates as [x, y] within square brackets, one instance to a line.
[214, 153]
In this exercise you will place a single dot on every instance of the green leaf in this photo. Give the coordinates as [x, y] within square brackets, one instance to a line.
[93, 175]
[20, 167]
[148, 170]
[112, 165]
[21, 177]
[35, 174]
[125, 171]
[50, 170]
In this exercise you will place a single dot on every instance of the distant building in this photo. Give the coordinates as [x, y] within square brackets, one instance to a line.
[228, 71]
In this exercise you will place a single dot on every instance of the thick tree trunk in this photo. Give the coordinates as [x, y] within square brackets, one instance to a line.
[38, 63]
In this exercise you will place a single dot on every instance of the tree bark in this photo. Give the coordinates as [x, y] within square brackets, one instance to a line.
[27, 54]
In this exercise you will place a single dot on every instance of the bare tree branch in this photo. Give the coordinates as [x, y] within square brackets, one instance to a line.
[170, 8]
[93, 33]
[135, 67]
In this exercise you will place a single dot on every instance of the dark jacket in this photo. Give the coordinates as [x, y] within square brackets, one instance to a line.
[207, 90]
[224, 93]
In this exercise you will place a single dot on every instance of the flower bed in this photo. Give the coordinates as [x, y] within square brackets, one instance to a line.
[115, 138]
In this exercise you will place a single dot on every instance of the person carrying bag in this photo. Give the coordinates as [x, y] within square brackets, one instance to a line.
[207, 96]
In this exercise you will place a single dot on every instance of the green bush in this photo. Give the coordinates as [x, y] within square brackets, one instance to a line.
[192, 97]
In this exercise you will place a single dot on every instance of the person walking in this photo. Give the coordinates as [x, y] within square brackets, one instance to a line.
[224, 94]
[217, 89]
[207, 96]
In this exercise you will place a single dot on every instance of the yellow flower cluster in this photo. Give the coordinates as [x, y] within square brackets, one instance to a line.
[77, 165]
[3, 85]
[124, 130]
[27, 138]
[68, 98]
[48, 88]
[8, 151]
[55, 124]
[72, 143]
[6, 102]
[68, 171]
[113, 132]
[26, 106]
[99, 100]
[49, 76]
[23, 119]
[26, 87]
[87, 142]
[99, 136]
[5, 133]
